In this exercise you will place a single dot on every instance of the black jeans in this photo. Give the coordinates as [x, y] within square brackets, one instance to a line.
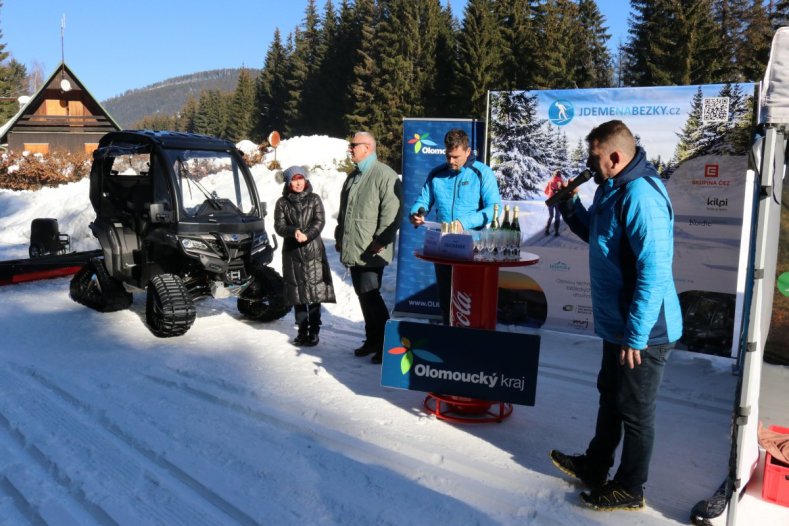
[444, 286]
[308, 317]
[367, 285]
[627, 403]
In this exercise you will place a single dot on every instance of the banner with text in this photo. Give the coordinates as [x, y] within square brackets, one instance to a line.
[423, 150]
[489, 365]
[696, 136]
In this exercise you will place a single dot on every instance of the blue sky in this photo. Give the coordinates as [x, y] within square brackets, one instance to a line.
[114, 46]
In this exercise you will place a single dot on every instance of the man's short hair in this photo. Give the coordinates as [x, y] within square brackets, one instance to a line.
[456, 138]
[369, 136]
[613, 133]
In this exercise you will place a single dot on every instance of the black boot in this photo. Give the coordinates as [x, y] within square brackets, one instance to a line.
[302, 337]
[312, 338]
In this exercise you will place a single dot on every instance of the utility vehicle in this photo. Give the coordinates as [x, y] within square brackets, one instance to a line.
[177, 215]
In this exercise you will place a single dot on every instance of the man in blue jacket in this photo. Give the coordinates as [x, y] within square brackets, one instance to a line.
[463, 191]
[629, 228]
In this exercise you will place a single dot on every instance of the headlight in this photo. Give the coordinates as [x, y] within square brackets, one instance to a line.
[260, 239]
[193, 244]
[234, 238]
[259, 242]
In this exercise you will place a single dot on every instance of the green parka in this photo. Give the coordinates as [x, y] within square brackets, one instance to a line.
[370, 205]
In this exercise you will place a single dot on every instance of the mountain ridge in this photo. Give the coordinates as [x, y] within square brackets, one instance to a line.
[167, 97]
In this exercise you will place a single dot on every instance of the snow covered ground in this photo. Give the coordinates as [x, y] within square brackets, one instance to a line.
[103, 423]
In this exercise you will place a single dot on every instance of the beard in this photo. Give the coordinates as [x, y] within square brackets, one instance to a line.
[599, 179]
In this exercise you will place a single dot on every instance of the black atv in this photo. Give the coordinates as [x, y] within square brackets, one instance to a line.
[178, 215]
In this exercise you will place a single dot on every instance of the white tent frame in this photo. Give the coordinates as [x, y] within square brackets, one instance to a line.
[768, 162]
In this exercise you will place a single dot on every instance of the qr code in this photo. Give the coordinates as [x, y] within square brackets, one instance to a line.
[715, 109]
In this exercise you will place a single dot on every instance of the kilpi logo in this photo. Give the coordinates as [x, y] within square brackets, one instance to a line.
[561, 266]
[561, 112]
[408, 355]
[421, 140]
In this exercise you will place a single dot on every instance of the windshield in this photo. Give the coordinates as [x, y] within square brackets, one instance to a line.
[211, 183]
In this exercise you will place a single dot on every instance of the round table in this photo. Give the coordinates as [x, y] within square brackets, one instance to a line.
[474, 304]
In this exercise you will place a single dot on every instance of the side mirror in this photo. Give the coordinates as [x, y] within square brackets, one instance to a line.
[160, 213]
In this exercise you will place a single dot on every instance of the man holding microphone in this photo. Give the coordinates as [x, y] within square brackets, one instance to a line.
[629, 228]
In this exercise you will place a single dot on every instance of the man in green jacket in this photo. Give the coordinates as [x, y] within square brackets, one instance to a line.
[367, 223]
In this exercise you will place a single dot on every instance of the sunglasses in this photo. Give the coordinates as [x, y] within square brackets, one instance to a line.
[355, 144]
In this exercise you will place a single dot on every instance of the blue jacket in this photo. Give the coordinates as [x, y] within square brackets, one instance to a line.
[630, 231]
[464, 196]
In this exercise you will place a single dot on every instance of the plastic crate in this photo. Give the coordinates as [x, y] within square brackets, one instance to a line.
[776, 476]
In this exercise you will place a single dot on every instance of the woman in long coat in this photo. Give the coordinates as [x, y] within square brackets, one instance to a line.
[299, 218]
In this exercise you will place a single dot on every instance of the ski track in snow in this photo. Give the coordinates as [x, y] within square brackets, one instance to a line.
[130, 429]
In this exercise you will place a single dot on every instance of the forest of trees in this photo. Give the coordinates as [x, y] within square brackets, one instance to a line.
[367, 64]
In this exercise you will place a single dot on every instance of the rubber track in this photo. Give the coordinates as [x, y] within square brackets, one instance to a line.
[178, 311]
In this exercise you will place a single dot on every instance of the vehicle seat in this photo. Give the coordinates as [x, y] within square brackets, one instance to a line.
[46, 239]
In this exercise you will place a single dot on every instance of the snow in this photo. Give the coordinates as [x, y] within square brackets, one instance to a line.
[103, 423]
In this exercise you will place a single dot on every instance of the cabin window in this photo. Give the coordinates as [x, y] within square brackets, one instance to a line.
[37, 147]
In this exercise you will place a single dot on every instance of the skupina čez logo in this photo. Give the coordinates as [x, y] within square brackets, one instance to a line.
[422, 143]
[561, 112]
[408, 352]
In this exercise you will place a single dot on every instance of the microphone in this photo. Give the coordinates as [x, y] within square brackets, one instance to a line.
[421, 213]
[565, 192]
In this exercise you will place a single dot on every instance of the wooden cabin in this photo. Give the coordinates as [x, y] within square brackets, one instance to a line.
[62, 115]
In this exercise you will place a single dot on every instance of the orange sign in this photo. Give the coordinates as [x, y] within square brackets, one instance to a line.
[273, 139]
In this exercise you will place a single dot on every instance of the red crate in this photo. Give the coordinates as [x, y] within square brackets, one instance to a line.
[776, 476]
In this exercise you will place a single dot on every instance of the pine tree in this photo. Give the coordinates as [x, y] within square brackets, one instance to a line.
[326, 93]
[294, 82]
[779, 17]
[441, 98]
[362, 113]
[13, 81]
[757, 39]
[211, 116]
[593, 66]
[271, 91]
[690, 137]
[697, 59]
[313, 48]
[725, 137]
[481, 51]
[515, 18]
[399, 78]
[729, 18]
[241, 108]
[520, 147]
[186, 121]
[557, 31]
[649, 49]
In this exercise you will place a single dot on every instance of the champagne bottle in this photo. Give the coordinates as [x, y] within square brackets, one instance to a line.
[494, 223]
[516, 225]
[505, 225]
[516, 235]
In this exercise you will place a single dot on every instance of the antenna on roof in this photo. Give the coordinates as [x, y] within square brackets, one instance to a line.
[62, 32]
[65, 85]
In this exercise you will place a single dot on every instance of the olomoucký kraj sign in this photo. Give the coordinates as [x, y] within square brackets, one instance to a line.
[490, 365]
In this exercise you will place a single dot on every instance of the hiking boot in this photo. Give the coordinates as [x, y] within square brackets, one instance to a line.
[612, 496]
[577, 466]
[311, 340]
[365, 349]
[300, 338]
[377, 357]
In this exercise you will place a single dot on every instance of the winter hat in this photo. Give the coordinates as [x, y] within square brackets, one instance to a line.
[292, 172]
